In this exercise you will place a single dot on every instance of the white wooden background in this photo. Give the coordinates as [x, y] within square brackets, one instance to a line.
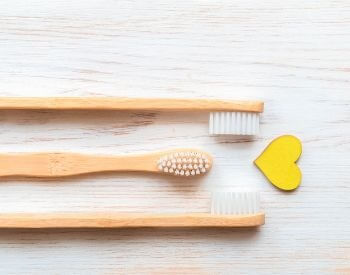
[294, 55]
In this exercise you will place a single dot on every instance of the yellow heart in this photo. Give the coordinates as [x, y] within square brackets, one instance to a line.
[278, 162]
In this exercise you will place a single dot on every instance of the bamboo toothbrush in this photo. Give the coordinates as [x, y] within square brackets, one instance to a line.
[226, 117]
[179, 162]
[228, 209]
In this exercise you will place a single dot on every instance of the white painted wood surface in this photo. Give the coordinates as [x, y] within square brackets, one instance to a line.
[295, 55]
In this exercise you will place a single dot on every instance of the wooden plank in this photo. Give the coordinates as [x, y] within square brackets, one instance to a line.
[293, 55]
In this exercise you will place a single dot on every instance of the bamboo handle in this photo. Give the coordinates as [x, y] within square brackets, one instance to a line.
[110, 220]
[68, 164]
[133, 104]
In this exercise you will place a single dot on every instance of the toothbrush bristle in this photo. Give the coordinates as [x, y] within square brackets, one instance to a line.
[234, 123]
[185, 163]
[235, 203]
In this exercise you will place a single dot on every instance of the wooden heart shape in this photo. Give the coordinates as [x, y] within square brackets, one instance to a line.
[278, 162]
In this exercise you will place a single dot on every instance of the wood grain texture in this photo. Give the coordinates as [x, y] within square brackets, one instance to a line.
[293, 55]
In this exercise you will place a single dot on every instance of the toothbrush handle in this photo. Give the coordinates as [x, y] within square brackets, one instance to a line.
[68, 164]
[132, 104]
[116, 220]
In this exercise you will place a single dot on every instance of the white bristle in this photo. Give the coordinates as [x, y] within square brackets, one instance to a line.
[234, 123]
[235, 203]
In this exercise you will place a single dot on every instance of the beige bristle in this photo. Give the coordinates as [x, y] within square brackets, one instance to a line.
[185, 163]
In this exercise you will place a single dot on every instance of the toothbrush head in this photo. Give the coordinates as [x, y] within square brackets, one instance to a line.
[234, 123]
[235, 203]
[185, 163]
